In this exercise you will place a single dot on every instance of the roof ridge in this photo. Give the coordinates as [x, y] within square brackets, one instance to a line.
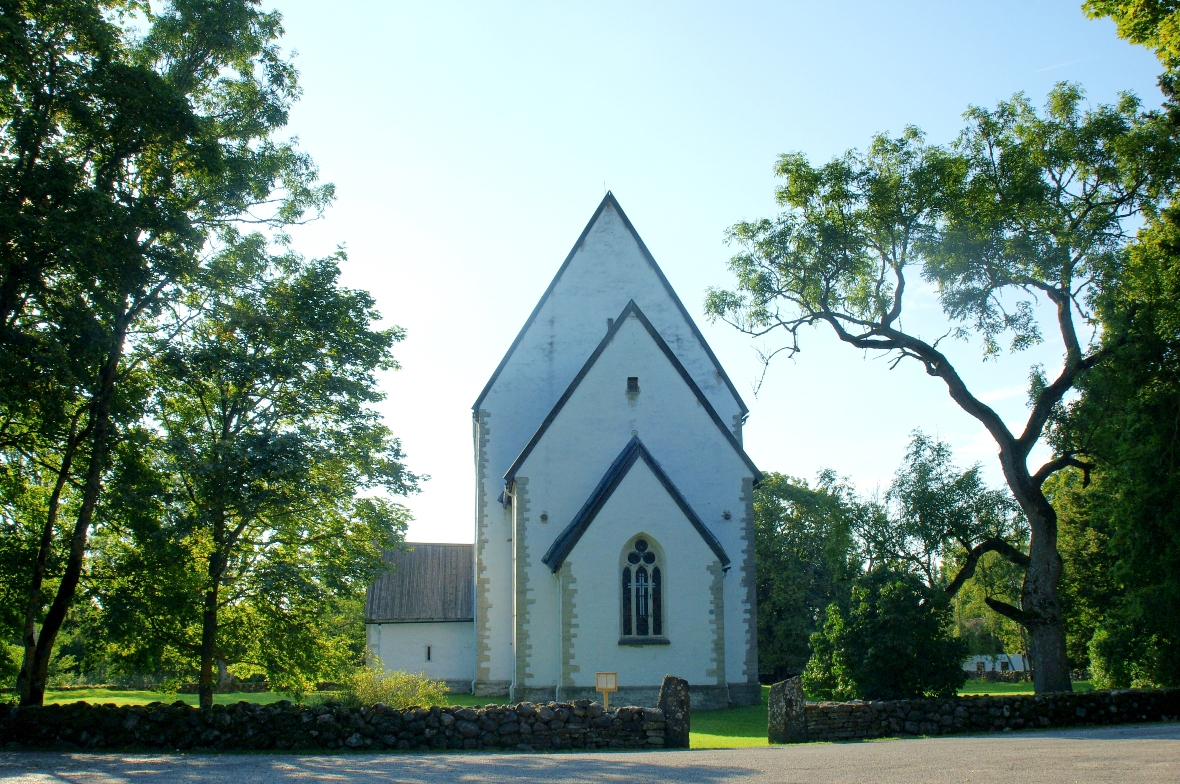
[609, 199]
[631, 309]
[618, 470]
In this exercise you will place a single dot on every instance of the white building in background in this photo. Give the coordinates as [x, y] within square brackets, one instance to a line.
[419, 614]
[1002, 662]
[614, 502]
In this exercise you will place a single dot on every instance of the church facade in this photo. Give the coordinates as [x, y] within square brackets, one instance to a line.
[614, 501]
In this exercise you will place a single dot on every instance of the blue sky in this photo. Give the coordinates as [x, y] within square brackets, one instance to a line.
[469, 144]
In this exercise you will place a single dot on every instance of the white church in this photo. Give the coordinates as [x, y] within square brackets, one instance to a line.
[614, 523]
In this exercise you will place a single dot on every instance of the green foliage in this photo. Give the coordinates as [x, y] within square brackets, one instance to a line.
[984, 630]
[1154, 24]
[264, 439]
[367, 686]
[806, 560]
[1025, 209]
[938, 516]
[1121, 533]
[893, 641]
[132, 139]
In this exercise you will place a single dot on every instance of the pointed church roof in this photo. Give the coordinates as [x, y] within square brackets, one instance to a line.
[630, 310]
[635, 450]
[611, 201]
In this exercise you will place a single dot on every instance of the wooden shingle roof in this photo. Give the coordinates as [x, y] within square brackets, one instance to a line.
[428, 582]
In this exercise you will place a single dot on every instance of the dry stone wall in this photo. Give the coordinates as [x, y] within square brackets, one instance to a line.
[831, 721]
[581, 724]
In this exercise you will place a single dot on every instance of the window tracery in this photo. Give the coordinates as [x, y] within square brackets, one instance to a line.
[642, 592]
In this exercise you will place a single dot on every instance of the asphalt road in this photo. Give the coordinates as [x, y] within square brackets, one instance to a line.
[1126, 755]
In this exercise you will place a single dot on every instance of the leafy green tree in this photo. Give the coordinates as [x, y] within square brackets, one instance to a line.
[940, 521]
[264, 403]
[1125, 529]
[807, 558]
[131, 137]
[893, 641]
[1125, 526]
[1086, 519]
[1024, 209]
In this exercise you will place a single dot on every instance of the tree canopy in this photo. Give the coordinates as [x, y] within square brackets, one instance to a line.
[1024, 209]
[139, 147]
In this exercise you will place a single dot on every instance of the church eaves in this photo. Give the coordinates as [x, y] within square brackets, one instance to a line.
[610, 200]
[631, 310]
[635, 450]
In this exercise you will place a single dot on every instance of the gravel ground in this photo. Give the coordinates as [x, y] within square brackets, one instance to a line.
[1126, 755]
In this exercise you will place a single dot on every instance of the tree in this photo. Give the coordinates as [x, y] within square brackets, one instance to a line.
[807, 559]
[894, 641]
[1024, 209]
[1125, 527]
[124, 153]
[939, 521]
[264, 402]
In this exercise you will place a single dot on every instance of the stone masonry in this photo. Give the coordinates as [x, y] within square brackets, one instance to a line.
[829, 721]
[581, 724]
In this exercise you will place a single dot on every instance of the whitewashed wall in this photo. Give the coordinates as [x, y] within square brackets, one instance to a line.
[589, 433]
[402, 646]
[640, 505]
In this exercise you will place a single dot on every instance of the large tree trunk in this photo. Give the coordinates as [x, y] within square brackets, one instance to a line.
[36, 672]
[33, 606]
[1040, 608]
[208, 641]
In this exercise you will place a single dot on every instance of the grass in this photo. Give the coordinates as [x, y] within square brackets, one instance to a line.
[732, 728]
[106, 696]
[979, 686]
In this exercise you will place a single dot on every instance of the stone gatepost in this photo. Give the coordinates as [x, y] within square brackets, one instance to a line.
[674, 703]
[786, 717]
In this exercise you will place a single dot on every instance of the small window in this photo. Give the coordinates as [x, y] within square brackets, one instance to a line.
[979, 666]
[1003, 666]
[633, 385]
[427, 653]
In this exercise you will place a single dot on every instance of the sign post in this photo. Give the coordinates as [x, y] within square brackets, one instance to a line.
[606, 682]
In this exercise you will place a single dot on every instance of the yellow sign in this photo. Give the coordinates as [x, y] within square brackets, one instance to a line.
[606, 682]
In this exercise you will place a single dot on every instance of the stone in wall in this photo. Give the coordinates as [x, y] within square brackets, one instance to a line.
[786, 717]
[675, 703]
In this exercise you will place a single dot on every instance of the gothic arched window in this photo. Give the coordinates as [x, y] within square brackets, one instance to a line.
[642, 592]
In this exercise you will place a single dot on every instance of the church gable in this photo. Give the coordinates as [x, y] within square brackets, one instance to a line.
[639, 362]
[608, 266]
[635, 453]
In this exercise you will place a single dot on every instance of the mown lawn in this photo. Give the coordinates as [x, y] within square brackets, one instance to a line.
[105, 696]
[974, 686]
[730, 729]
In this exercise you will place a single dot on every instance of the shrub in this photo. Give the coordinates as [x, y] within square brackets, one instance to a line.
[893, 641]
[397, 689]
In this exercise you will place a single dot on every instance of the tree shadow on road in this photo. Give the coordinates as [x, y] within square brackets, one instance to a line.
[364, 768]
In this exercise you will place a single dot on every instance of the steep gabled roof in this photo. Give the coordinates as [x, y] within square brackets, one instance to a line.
[635, 450]
[610, 200]
[630, 310]
[429, 582]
